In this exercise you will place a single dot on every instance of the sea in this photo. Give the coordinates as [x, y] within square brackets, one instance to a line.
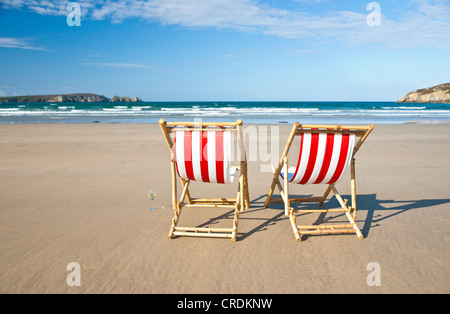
[251, 112]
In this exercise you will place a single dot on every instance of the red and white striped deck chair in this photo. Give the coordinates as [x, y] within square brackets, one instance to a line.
[202, 152]
[325, 153]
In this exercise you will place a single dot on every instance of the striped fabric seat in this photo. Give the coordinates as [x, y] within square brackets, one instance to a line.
[323, 158]
[204, 156]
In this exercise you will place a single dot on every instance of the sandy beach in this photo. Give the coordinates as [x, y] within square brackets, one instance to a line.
[78, 193]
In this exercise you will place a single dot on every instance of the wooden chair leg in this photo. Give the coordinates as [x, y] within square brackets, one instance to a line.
[174, 221]
[280, 165]
[294, 226]
[184, 193]
[179, 206]
[353, 186]
[325, 195]
[235, 219]
[188, 195]
[286, 187]
[352, 221]
[246, 195]
[240, 203]
[174, 185]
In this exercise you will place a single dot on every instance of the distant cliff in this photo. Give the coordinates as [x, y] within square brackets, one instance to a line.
[80, 97]
[125, 99]
[55, 98]
[435, 94]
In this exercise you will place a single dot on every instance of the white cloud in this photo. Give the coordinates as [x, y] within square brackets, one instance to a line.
[9, 42]
[44, 7]
[438, 9]
[427, 26]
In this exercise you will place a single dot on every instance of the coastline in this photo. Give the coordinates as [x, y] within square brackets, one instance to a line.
[78, 193]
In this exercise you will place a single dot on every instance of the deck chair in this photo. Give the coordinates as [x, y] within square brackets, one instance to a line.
[325, 153]
[202, 152]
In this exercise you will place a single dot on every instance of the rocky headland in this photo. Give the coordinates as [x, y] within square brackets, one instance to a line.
[60, 98]
[436, 94]
[125, 99]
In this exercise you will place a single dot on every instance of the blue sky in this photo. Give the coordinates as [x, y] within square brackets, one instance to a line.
[249, 50]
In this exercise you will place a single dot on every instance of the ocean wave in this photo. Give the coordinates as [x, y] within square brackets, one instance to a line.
[67, 110]
[140, 107]
[404, 108]
[237, 110]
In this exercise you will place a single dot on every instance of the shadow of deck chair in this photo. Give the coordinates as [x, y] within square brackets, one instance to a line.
[325, 153]
[202, 152]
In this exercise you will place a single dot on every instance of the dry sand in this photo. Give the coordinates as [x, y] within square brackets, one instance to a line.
[78, 193]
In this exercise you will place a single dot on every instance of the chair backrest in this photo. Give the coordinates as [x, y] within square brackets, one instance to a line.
[323, 157]
[325, 151]
[204, 151]
[204, 156]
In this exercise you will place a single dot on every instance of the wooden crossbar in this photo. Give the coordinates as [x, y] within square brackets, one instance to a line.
[214, 200]
[204, 229]
[204, 232]
[201, 124]
[326, 231]
[339, 210]
[297, 200]
[208, 205]
[332, 226]
[208, 235]
[336, 127]
[358, 133]
[171, 130]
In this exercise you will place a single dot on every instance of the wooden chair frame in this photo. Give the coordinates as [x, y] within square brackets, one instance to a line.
[350, 211]
[239, 204]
